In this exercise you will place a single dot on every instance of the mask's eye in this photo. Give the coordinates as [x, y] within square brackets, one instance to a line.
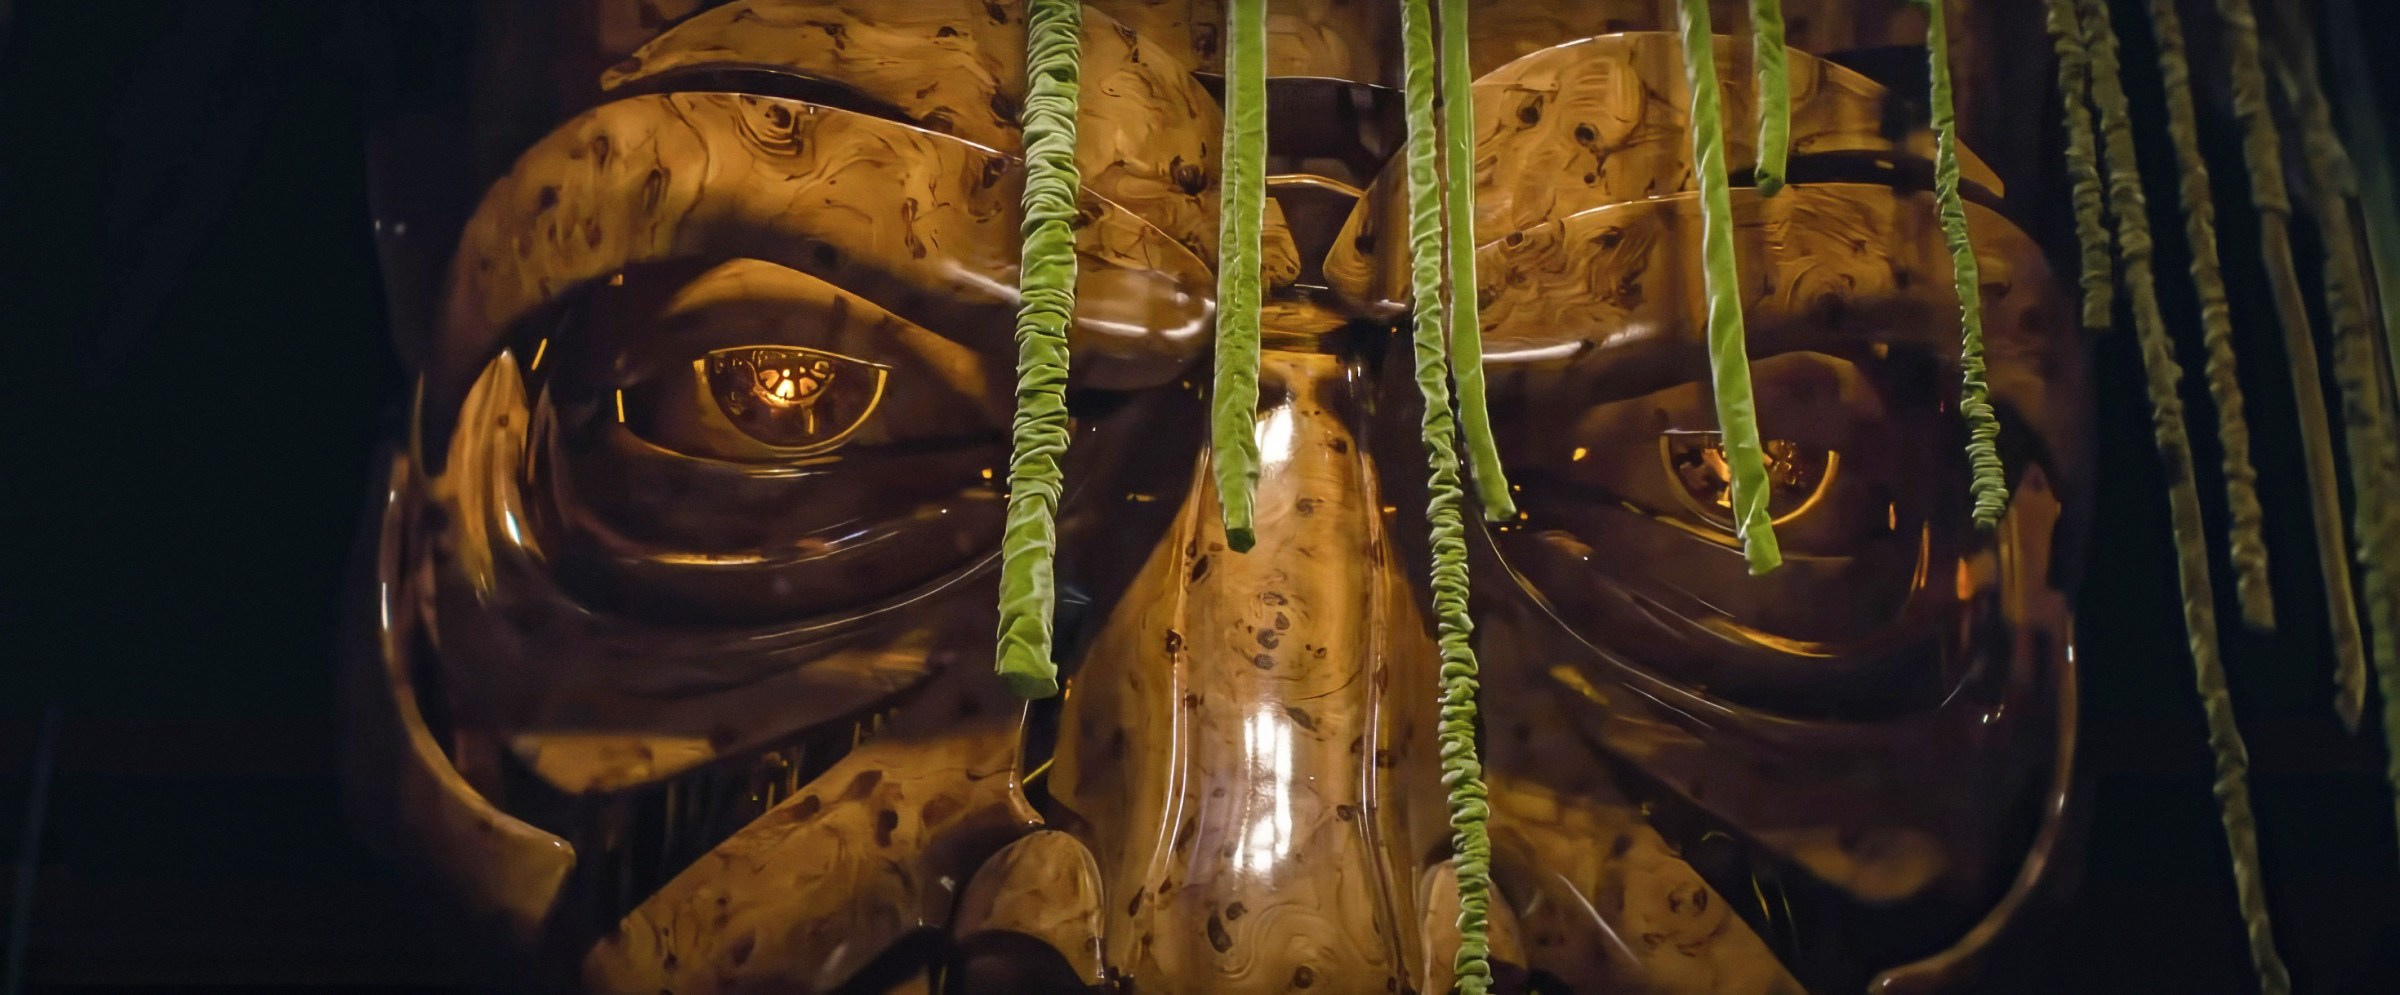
[744, 442]
[1628, 533]
[768, 403]
[1831, 448]
[799, 401]
[1798, 475]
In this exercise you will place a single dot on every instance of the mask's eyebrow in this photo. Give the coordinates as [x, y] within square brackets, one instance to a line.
[1149, 130]
[921, 224]
[1818, 263]
[1604, 121]
[1609, 298]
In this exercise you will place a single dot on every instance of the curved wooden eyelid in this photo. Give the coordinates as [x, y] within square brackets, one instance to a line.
[700, 175]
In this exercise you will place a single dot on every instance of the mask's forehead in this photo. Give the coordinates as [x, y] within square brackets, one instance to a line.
[889, 174]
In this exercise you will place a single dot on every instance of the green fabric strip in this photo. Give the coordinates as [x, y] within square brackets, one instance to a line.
[1989, 484]
[1462, 768]
[2370, 146]
[2247, 537]
[2357, 369]
[2091, 226]
[1728, 355]
[1241, 217]
[1774, 94]
[2232, 786]
[2083, 169]
[1046, 288]
[2262, 151]
[1458, 242]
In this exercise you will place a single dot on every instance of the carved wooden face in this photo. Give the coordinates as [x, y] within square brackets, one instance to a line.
[688, 570]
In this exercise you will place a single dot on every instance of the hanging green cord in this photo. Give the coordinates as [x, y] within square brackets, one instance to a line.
[1989, 484]
[2232, 786]
[2098, 278]
[2262, 152]
[2374, 453]
[2370, 147]
[1774, 94]
[2247, 536]
[1728, 350]
[2380, 210]
[1241, 217]
[1046, 288]
[1462, 769]
[1458, 242]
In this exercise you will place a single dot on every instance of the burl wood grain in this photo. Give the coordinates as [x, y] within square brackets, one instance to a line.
[1838, 261]
[1045, 887]
[1146, 131]
[1246, 799]
[1603, 121]
[1244, 752]
[1219, 748]
[1437, 894]
[921, 224]
[1607, 904]
[1334, 39]
[501, 869]
[1503, 30]
[597, 703]
[867, 853]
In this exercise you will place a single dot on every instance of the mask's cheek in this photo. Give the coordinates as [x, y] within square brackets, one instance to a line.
[1885, 722]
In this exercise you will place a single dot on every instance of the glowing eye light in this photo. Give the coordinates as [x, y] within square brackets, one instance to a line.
[1799, 475]
[795, 399]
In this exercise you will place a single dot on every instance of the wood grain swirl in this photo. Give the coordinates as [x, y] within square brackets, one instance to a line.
[1603, 121]
[870, 851]
[921, 224]
[1147, 131]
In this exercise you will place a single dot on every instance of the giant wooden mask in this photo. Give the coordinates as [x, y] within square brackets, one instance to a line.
[688, 568]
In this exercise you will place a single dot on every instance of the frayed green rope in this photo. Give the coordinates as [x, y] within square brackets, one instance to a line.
[1989, 483]
[1458, 242]
[1462, 769]
[2247, 537]
[2098, 278]
[2232, 787]
[1728, 351]
[1241, 217]
[1774, 94]
[2262, 151]
[2374, 452]
[1046, 289]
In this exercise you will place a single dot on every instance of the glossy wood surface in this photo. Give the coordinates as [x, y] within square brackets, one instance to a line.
[736, 669]
[1146, 130]
[1602, 121]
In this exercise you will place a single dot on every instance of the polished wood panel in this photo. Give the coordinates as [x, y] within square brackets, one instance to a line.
[921, 224]
[1147, 131]
[860, 857]
[1238, 789]
[1046, 888]
[1602, 121]
[1218, 748]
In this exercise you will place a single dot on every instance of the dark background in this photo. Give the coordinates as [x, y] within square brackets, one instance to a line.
[197, 371]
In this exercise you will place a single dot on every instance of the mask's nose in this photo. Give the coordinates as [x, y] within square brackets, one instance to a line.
[1238, 740]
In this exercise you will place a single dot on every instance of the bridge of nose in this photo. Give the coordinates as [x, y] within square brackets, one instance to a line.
[1233, 739]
